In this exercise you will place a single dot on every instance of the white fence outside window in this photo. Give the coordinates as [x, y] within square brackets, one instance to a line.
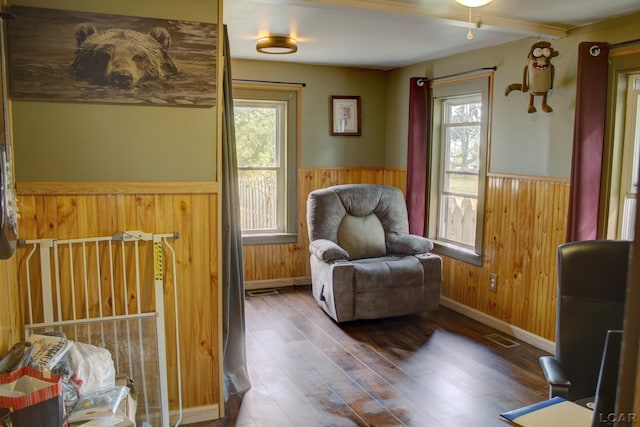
[257, 204]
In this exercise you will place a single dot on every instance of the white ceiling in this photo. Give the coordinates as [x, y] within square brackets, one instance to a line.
[386, 34]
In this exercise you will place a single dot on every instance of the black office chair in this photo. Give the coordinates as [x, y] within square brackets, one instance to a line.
[592, 281]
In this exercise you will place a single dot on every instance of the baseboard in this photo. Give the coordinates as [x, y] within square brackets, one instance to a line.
[521, 334]
[252, 285]
[197, 414]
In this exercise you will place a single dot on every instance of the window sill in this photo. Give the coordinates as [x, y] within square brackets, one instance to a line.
[269, 239]
[457, 252]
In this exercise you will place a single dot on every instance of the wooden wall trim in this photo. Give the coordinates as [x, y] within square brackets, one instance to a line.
[87, 188]
[196, 415]
[254, 285]
[624, 51]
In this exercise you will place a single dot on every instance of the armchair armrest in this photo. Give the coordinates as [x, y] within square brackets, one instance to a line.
[326, 250]
[558, 382]
[408, 244]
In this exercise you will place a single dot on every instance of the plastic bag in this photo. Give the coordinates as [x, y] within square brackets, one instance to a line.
[99, 404]
[94, 369]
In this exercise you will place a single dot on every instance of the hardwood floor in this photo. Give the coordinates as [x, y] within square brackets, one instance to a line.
[422, 370]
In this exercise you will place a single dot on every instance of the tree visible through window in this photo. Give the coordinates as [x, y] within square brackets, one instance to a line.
[258, 146]
[461, 160]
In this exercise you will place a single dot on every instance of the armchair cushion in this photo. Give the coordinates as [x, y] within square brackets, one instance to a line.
[326, 250]
[362, 236]
[408, 244]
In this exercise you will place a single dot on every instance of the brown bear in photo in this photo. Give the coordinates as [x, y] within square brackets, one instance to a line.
[120, 57]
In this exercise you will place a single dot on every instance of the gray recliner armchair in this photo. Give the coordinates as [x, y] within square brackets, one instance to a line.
[364, 262]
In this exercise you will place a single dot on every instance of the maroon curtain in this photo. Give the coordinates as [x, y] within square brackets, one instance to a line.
[588, 141]
[418, 155]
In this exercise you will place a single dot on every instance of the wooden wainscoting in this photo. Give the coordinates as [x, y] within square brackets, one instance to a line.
[194, 217]
[525, 221]
[10, 308]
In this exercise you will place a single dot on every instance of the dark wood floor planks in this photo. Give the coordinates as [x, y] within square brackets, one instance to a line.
[422, 370]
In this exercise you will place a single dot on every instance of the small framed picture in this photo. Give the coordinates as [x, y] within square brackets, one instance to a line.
[345, 115]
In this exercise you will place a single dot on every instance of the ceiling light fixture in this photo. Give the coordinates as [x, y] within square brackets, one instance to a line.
[277, 45]
[472, 4]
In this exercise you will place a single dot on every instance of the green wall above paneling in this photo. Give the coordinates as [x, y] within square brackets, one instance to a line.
[318, 146]
[187, 10]
[99, 142]
[538, 144]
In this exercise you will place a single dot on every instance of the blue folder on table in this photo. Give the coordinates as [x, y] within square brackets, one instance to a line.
[555, 412]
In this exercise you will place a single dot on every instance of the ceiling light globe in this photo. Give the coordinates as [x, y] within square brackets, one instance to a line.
[473, 3]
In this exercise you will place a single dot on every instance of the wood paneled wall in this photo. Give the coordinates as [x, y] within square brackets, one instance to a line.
[10, 307]
[525, 221]
[194, 217]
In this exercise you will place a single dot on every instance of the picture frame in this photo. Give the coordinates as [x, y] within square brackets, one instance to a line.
[345, 115]
[68, 56]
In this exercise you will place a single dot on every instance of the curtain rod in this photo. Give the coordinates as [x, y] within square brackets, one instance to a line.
[269, 81]
[424, 80]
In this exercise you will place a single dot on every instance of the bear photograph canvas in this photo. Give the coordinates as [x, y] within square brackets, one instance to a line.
[63, 55]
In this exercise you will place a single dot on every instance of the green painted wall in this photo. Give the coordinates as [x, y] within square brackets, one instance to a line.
[318, 147]
[59, 141]
[538, 144]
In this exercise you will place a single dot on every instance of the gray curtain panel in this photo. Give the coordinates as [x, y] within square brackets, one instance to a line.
[236, 376]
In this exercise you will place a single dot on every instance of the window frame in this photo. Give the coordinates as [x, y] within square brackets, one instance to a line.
[288, 209]
[621, 65]
[475, 85]
[630, 149]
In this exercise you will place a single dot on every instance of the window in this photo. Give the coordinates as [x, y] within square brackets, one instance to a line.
[266, 122]
[460, 113]
[631, 151]
[619, 189]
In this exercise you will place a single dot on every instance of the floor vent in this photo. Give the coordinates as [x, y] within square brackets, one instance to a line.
[502, 340]
[262, 292]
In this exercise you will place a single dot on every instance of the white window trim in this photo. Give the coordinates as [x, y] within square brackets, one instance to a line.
[629, 191]
[479, 84]
[291, 95]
